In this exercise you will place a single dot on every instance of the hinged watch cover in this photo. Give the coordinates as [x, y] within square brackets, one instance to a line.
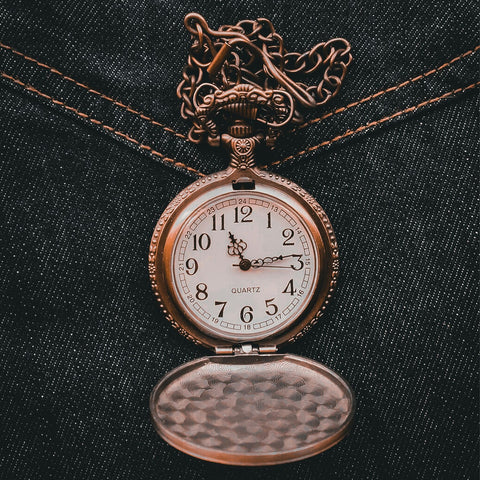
[252, 409]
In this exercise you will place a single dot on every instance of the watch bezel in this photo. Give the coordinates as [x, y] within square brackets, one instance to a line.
[207, 188]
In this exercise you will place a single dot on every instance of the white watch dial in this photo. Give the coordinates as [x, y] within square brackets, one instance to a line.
[244, 265]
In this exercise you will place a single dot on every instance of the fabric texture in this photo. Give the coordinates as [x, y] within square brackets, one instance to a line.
[93, 149]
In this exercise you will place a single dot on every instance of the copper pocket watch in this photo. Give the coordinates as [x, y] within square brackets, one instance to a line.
[244, 261]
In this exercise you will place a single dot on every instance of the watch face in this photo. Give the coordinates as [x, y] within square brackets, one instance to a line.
[244, 265]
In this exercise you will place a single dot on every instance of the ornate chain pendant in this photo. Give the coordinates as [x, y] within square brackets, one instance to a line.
[244, 261]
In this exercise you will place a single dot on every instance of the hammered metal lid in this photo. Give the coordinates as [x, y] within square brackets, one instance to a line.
[252, 409]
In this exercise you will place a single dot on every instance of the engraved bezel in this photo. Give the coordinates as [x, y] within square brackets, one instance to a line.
[208, 188]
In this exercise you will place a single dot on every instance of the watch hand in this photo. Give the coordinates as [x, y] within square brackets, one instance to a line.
[236, 247]
[266, 266]
[264, 262]
[267, 261]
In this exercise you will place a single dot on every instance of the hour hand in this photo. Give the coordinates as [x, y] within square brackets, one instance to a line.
[236, 247]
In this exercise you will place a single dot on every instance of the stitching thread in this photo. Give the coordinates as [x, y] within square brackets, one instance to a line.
[375, 123]
[99, 123]
[95, 92]
[387, 90]
[306, 124]
[348, 133]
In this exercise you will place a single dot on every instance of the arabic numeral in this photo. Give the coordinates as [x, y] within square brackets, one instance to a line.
[289, 288]
[222, 309]
[298, 265]
[246, 211]
[246, 314]
[221, 222]
[203, 241]
[287, 234]
[201, 291]
[192, 266]
[272, 309]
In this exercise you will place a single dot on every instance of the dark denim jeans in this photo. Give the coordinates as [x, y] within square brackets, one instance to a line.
[85, 176]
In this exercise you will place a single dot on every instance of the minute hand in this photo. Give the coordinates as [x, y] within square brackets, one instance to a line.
[266, 261]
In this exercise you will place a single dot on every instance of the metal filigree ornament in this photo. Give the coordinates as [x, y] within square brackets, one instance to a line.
[244, 261]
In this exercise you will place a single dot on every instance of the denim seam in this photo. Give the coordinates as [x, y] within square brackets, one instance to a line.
[95, 92]
[387, 90]
[100, 124]
[376, 123]
[304, 125]
[148, 148]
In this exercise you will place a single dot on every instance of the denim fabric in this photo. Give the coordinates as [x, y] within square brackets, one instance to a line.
[82, 340]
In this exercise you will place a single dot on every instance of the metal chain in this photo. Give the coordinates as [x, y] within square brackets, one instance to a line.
[252, 53]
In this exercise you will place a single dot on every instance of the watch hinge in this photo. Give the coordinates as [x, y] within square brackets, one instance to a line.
[245, 349]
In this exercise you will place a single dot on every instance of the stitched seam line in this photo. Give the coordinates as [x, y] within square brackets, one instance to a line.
[387, 90]
[95, 92]
[347, 134]
[375, 123]
[99, 123]
[310, 122]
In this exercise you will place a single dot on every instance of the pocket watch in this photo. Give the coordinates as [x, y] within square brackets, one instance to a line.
[244, 261]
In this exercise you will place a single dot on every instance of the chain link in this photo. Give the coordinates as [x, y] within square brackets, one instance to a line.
[252, 53]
